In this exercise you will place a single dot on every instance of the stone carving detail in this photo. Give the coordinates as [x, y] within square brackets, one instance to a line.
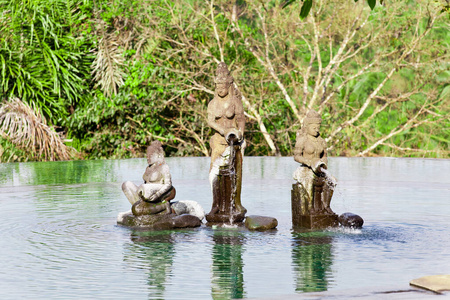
[226, 117]
[153, 196]
[151, 200]
[314, 186]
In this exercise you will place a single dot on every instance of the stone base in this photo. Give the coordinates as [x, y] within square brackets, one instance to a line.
[159, 222]
[315, 221]
[188, 207]
[225, 218]
[260, 223]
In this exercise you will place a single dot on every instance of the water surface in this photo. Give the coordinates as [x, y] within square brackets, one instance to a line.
[59, 237]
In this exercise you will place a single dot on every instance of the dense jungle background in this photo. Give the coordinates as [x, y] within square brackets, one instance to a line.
[85, 79]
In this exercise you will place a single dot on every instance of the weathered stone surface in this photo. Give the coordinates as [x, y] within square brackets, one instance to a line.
[316, 221]
[225, 218]
[226, 117]
[303, 216]
[312, 175]
[351, 220]
[141, 208]
[157, 186]
[121, 215]
[260, 223]
[161, 222]
[435, 283]
[188, 207]
[314, 187]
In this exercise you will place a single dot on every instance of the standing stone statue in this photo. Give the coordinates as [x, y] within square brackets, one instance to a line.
[314, 186]
[226, 117]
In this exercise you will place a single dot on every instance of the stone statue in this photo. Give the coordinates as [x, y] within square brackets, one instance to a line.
[154, 194]
[151, 207]
[226, 117]
[312, 192]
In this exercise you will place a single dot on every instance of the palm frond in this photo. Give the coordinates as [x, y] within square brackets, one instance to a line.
[27, 129]
[107, 64]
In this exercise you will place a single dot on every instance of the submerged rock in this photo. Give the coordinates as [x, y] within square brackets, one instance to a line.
[188, 207]
[351, 220]
[260, 223]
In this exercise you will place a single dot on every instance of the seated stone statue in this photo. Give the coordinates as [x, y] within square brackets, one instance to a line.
[317, 185]
[226, 117]
[154, 194]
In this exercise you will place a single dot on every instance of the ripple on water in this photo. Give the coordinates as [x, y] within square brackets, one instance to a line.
[61, 240]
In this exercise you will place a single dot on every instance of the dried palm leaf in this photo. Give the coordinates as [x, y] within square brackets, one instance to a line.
[107, 64]
[27, 129]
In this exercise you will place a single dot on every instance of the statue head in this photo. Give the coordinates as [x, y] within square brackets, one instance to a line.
[155, 153]
[311, 123]
[223, 80]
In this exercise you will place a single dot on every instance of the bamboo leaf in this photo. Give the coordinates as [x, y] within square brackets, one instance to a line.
[306, 7]
[372, 3]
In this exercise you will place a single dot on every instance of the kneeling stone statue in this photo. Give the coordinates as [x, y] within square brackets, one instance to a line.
[150, 201]
[314, 186]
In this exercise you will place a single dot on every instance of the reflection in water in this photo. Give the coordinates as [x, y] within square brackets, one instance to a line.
[59, 237]
[312, 259]
[227, 274]
[153, 252]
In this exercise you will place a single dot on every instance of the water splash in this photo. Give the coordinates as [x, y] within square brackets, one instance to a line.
[345, 230]
[329, 179]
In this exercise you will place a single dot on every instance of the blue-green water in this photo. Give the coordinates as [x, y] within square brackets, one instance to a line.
[59, 238]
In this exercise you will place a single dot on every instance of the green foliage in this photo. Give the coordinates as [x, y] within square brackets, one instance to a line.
[307, 4]
[306, 7]
[9, 152]
[44, 53]
[372, 3]
[166, 52]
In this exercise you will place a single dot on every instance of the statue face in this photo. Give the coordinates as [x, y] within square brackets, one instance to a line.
[313, 129]
[155, 157]
[222, 89]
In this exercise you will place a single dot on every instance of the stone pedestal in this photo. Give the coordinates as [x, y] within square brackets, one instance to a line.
[159, 221]
[303, 213]
[226, 192]
[315, 221]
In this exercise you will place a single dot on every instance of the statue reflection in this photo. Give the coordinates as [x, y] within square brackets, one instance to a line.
[312, 258]
[227, 274]
[152, 251]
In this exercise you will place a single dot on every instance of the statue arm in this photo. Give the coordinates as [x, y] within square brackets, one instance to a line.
[240, 118]
[298, 153]
[324, 158]
[166, 183]
[325, 154]
[212, 119]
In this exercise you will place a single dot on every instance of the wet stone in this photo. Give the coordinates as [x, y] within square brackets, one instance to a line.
[351, 220]
[188, 207]
[160, 222]
[260, 223]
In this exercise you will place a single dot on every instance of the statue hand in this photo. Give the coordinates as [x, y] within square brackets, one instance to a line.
[233, 135]
[319, 165]
[240, 136]
[152, 198]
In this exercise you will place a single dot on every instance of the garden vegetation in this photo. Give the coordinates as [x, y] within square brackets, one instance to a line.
[85, 79]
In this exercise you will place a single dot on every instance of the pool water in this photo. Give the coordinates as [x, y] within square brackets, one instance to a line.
[59, 237]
